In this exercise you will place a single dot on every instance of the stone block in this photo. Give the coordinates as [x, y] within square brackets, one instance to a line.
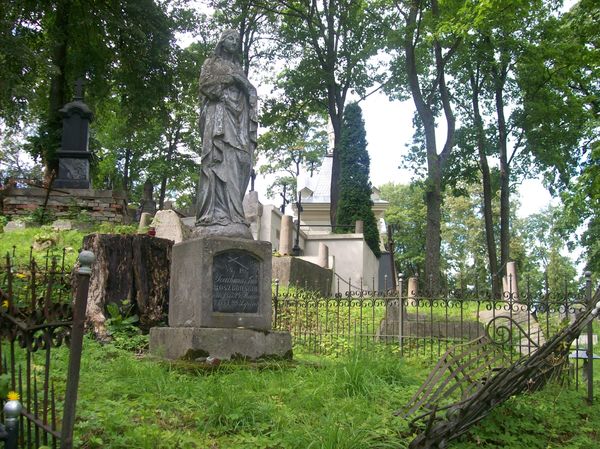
[62, 225]
[168, 226]
[221, 282]
[193, 342]
[14, 226]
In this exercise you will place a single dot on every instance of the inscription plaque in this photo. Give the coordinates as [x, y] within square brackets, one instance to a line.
[235, 282]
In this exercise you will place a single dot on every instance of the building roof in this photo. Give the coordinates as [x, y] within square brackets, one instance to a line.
[317, 189]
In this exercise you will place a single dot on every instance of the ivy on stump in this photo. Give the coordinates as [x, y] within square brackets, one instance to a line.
[355, 188]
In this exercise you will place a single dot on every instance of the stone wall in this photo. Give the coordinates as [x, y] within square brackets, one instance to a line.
[102, 205]
[293, 271]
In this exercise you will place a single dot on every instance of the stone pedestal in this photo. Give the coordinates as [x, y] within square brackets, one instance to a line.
[194, 342]
[220, 302]
[73, 170]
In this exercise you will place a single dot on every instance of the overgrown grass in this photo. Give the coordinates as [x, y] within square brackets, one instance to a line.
[20, 242]
[131, 401]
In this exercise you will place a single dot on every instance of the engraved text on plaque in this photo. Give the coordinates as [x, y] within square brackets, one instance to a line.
[235, 282]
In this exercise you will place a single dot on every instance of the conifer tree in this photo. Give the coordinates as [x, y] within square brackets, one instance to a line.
[355, 188]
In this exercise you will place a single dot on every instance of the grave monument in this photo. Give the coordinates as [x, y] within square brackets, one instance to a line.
[220, 288]
[74, 156]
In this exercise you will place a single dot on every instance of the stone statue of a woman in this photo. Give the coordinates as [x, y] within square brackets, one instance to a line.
[228, 127]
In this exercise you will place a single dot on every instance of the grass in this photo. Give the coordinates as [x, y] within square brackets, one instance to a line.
[136, 401]
[19, 243]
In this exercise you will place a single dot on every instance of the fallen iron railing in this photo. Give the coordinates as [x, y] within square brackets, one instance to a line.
[478, 370]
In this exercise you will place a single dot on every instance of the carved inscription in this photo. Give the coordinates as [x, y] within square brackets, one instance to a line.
[70, 168]
[235, 282]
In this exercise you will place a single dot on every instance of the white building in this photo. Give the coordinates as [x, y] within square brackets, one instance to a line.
[354, 265]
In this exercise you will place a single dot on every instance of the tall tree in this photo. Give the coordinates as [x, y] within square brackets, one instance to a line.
[406, 217]
[329, 47]
[255, 24]
[484, 87]
[289, 145]
[20, 61]
[561, 116]
[355, 188]
[427, 46]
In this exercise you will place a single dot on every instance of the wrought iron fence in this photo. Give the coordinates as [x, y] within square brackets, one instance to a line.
[36, 317]
[364, 318]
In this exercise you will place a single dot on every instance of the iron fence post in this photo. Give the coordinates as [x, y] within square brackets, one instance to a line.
[86, 259]
[400, 314]
[590, 342]
[12, 411]
[276, 304]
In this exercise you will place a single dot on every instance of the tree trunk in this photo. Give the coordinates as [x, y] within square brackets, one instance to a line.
[59, 37]
[335, 168]
[165, 178]
[128, 267]
[435, 162]
[126, 163]
[487, 191]
[504, 172]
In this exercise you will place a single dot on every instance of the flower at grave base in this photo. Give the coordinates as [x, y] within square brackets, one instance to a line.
[5, 304]
[13, 396]
[21, 275]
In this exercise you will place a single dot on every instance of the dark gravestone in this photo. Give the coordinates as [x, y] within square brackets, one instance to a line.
[74, 157]
[235, 282]
[147, 204]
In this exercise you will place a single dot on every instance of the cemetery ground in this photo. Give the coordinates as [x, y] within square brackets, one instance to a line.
[335, 400]
[129, 400]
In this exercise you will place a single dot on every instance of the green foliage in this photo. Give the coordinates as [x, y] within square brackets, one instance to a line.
[121, 327]
[40, 216]
[406, 217]
[582, 206]
[355, 188]
[121, 319]
[291, 143]
[112, 228]
[552, 418]
[4, 385]
[22, 241]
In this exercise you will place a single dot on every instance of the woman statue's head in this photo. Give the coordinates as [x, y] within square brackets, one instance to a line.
[229, 43]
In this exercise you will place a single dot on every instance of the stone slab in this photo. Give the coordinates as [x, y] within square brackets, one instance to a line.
[62, 225]
[193, 342]
[168, 225]
[221, 282]
[15, 225]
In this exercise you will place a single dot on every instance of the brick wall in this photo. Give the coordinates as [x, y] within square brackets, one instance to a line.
[103, 205]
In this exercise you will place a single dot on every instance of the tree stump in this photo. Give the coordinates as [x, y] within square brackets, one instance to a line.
[128, 267]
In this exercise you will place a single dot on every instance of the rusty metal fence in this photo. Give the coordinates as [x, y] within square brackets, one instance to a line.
[366, 319]
[37, 316]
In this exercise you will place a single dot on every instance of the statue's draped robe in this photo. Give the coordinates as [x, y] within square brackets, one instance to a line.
[228, 127]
